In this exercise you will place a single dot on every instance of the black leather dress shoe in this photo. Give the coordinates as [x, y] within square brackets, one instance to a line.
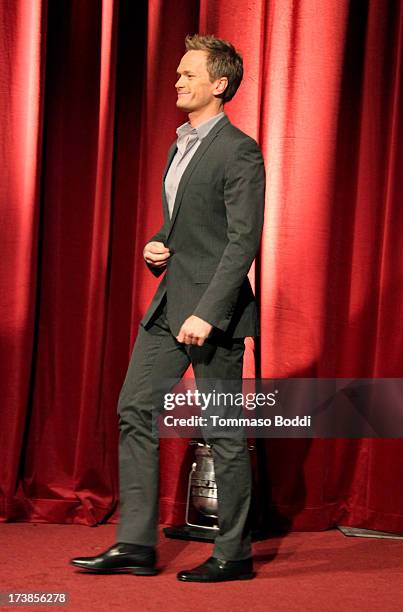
[218, 570]
[119, 558]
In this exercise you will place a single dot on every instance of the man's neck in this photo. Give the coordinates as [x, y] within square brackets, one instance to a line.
[198, 117]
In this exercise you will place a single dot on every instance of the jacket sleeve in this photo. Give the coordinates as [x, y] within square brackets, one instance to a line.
[244, 192]
[161, 236]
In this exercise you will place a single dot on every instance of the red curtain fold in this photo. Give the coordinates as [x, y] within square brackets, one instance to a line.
[87, 115]
[23, 43]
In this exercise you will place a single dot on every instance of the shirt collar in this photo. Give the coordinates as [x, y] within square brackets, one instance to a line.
[201, 130]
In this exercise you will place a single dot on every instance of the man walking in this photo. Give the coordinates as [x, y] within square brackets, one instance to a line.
[204, 307]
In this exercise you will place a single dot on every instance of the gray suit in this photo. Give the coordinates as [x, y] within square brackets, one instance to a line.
[214, 234]
[213, 237]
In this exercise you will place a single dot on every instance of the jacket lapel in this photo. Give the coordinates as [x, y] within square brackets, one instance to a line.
[203, 147]
[171, 155]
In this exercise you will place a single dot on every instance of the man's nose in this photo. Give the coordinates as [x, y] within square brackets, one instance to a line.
[179, 83]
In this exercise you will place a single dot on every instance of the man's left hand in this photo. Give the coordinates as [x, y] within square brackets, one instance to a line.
[194, 331]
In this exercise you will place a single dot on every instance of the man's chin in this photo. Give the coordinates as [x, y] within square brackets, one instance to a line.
[182, 106]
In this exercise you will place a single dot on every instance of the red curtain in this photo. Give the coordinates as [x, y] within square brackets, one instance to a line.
[87, 114]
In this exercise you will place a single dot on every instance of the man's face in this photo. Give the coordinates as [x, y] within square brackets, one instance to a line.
[194, 88]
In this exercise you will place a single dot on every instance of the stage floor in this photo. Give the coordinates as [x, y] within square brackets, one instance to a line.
[320, 571]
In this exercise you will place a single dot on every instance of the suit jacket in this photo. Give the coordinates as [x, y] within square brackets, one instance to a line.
[214, 234]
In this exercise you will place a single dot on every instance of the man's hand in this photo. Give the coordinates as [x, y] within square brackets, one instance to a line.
[156, 254]
[194, 331]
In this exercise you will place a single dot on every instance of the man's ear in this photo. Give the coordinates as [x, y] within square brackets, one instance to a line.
[221, 86]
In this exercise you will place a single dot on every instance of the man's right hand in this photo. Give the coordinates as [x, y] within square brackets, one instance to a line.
[156, 254]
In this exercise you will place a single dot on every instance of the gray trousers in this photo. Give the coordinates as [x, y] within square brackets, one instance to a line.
[156, 355]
